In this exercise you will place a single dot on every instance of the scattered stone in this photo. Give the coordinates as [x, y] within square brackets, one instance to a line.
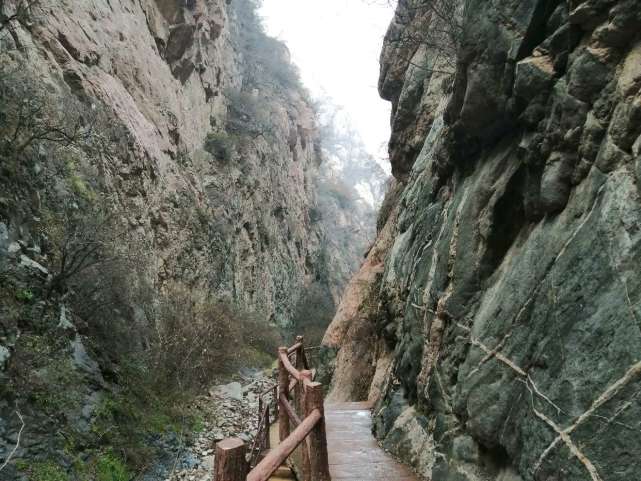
[232, 390]
[4, 238]
[13, 248]
[4, 356]
[30, 263]
[229, 410]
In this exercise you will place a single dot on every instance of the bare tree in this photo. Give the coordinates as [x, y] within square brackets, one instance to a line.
[30, 115]
[433, 24]
[83, 239]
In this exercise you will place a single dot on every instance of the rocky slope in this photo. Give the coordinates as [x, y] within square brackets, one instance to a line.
[159, 167]
[495, 321]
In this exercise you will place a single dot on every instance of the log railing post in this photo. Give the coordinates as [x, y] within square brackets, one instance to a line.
[266, 440]
[298, 456]
[307, 379]
[318, 460]
[276, 406]
[229, 462]
[283, 388]
[298, 392]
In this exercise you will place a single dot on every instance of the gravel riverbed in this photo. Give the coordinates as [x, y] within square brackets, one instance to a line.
[227, 410]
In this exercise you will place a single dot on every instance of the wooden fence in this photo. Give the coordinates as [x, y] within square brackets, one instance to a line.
[298, 402]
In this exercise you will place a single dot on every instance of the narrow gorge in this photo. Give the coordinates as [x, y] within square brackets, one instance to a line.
[176, 203]
[166, 218]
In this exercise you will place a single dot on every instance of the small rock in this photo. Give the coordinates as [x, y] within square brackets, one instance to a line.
[4, 238]
[232, 390]
[4, 356]
[30, 263]
[63, 320]
[208, 462]
[13, 248]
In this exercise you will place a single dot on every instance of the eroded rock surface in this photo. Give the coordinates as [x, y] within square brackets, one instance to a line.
[505, 341]
[207, 168]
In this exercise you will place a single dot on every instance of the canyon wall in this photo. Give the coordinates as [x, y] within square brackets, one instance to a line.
[166, 73]
[160, 169]
[495, 323]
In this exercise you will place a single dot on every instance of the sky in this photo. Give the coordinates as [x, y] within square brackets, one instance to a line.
[336, 45]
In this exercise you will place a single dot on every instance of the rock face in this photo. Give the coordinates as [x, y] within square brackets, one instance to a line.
[166, 71]
[193, 136]
[503, 339]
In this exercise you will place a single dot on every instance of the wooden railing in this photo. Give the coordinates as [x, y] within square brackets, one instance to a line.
[301, 424]
[261, 442]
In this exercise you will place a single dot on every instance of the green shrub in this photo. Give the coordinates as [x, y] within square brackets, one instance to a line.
[81, 188]
[47, 471]
[111, 468]
[25, 295]
[220, 145]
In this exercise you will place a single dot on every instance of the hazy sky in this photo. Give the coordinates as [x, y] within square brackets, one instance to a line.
[336, 45]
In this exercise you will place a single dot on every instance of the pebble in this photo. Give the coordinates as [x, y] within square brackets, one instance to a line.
[229, 410]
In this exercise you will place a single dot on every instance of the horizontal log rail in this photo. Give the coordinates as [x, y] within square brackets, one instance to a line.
[278, 455]
[293, 372]
[294, 348]
[298, 401]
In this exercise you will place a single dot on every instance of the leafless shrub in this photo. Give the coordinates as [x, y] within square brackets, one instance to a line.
[247, 114]
[80, 239]
[195, 339]
[436, 25]
[36, 121]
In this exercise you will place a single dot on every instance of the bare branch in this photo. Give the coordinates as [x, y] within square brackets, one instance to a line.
[15, 448]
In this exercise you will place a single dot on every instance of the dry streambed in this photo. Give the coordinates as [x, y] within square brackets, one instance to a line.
[226, 410]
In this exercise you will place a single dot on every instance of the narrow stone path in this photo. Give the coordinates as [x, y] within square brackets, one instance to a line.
[353, 452]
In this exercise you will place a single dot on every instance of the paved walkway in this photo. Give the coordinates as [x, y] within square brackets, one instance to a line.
[353, 452]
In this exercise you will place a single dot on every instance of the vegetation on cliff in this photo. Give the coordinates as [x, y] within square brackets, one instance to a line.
[504, 340]
[160, 224]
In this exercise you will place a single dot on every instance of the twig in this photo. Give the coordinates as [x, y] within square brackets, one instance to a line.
[180, 448]
[15, 448]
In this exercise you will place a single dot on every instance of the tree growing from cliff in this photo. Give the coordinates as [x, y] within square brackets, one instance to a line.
[267, 63]
[436, 25]
[30, 117]
[247, 114]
